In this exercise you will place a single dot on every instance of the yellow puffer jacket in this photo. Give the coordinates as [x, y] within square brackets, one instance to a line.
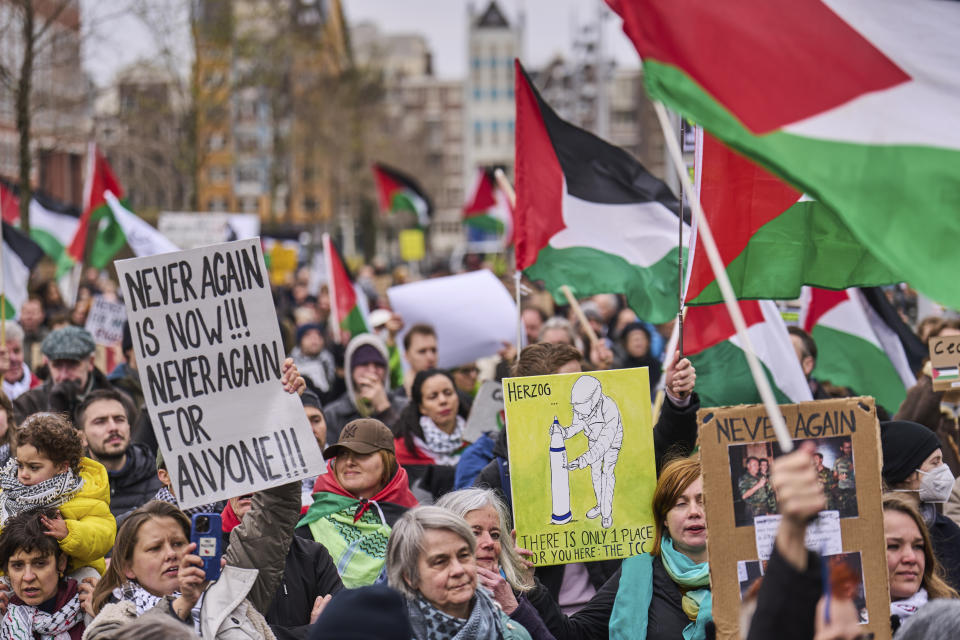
[91, 528]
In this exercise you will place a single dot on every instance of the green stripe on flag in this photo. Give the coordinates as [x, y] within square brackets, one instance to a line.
[108, 241]
[650, 291]
[354, 322]
[806, 244]
[485, 223]
[850, 361]
[723, 377]
[53, 249]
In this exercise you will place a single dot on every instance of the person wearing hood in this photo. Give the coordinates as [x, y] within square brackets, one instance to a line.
[103, 419]
[315, 363]
[368, 392]
[358, 500]
[914, 468]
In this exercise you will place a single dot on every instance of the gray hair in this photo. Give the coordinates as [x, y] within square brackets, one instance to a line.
[557, 322]
[14, 331]
[936, 620]
[406, 544]
[463, 502]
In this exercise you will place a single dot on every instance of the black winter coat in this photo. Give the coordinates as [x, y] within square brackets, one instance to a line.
[309, 573]
[135, 484]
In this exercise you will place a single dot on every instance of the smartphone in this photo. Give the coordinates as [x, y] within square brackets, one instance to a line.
[206, 532]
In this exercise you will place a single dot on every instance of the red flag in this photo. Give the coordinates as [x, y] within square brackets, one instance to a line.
[100, 178]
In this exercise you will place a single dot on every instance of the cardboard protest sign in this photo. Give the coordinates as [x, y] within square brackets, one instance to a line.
[210, 359]
[486, 412]
[472, 313]
[105, 321]
[581, 464]
[737, 445]
[945, 360]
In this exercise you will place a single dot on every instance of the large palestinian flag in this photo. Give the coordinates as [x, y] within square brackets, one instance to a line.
[723, 375]
[771, 237]
[20, 256]
[856, 102]
[344, 303]
[855, 347]
[399, 192]
[589, 215]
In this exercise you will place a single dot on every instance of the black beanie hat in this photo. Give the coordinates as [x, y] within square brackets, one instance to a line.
[905, 446]
[368, 613]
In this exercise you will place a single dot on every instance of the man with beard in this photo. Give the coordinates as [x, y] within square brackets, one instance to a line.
[103, 419]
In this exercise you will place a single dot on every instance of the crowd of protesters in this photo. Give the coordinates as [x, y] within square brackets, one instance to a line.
[409, 533]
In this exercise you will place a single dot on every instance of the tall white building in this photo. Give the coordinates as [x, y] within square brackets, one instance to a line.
[488, 102]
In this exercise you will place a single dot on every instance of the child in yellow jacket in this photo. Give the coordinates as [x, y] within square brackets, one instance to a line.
[49, 470]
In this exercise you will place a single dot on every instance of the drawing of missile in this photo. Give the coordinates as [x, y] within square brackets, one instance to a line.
[559, 476]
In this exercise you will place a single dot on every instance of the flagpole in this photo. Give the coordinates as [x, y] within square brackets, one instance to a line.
[331, 290]
[726, 289]
[3, 293]
[680, 266]
[507, 189]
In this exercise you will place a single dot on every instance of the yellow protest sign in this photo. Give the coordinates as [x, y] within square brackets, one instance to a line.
[411, 245]
[581, 464]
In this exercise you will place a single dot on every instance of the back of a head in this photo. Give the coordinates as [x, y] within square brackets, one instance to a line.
[369, 613]
[936, 620]
[545, 358]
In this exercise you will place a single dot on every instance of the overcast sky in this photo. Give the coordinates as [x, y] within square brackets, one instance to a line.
[119, 40]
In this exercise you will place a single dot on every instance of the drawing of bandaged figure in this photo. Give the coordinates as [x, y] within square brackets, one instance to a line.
[598, 416]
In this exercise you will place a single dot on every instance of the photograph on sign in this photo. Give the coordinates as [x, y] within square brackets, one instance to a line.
[750, 474]
[945, 362]
[581, 464]
[738, 452]
[210, 358]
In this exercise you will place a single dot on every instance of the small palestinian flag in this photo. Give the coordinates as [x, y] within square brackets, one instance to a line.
[487, 209]
[344, 306]
[399, 192]
[723, 376]
[20, 256]
[109, 238]
[589, 215]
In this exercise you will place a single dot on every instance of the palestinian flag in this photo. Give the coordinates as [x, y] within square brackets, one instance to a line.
[399, 192]
[143, 239]
[20, 256]
[589, 215]
[53, 226]
[855, 347]
[109, 237]
[771, 237]
[9, 202]
[487, 209]
[856, 102]
[344, 302]
[723, 376]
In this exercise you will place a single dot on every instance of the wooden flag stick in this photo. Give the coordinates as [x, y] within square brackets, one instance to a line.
[580, 315]
[720, 273]
[505, 185]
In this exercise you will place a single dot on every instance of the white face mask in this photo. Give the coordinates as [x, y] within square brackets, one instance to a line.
[936, 485]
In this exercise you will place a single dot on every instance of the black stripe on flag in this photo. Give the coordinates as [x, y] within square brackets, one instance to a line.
[28, 251]
[913, 347]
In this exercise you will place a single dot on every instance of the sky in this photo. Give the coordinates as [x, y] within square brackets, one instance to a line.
[119, 39]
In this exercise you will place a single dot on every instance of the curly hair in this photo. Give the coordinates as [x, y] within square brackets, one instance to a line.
[53, 435]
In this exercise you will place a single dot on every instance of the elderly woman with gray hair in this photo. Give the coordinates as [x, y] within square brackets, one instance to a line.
[500, 569]
[431, 560]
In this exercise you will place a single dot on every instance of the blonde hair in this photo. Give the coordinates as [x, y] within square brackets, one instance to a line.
[387, 458]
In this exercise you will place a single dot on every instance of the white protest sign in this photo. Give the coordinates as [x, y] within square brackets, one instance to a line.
[209, 353]
[822, 535]
[105, 321]
[472, 313]
[190, 230]
[486, 412]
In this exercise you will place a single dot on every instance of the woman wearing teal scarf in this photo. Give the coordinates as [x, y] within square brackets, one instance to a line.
[665, 594]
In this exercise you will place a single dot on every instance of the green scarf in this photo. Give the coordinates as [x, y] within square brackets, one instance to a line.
[632, 604]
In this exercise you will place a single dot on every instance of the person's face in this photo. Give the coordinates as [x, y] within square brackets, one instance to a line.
[156, 556]
[360, 473]
[686, 521]
[439, 400]
[76, 370]
[556, 335]
[34, 576]
[905, 559]
[638, 345]
[806, 362]
[933, 461]
[368, 370]
[311, 343]
[31, 315]
[318, 424]
[241, 504]
[486, 527]
[36, 467]
[448, 572]
[753, 467]
[570, 367]
[847, 448]
[105, 429]
[466, 377]
[15, 352]
[818, 460]
[764, 466]
[422, 353]
[532, 324]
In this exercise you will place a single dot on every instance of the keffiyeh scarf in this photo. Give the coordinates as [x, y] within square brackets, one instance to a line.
[165, 495]
[444, 447]
[429, 623]
[903, 609]
[142, 599]
[22, 621]
[18, 497]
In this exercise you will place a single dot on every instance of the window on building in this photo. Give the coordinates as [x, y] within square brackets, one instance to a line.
[477, 93]
[250, 205]
[477, 133]
[494, 93]
[495, 132]
[217, 204]
[215, 142]
[309, 204]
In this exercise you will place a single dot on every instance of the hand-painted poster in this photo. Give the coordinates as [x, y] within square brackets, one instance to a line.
[581, 464]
